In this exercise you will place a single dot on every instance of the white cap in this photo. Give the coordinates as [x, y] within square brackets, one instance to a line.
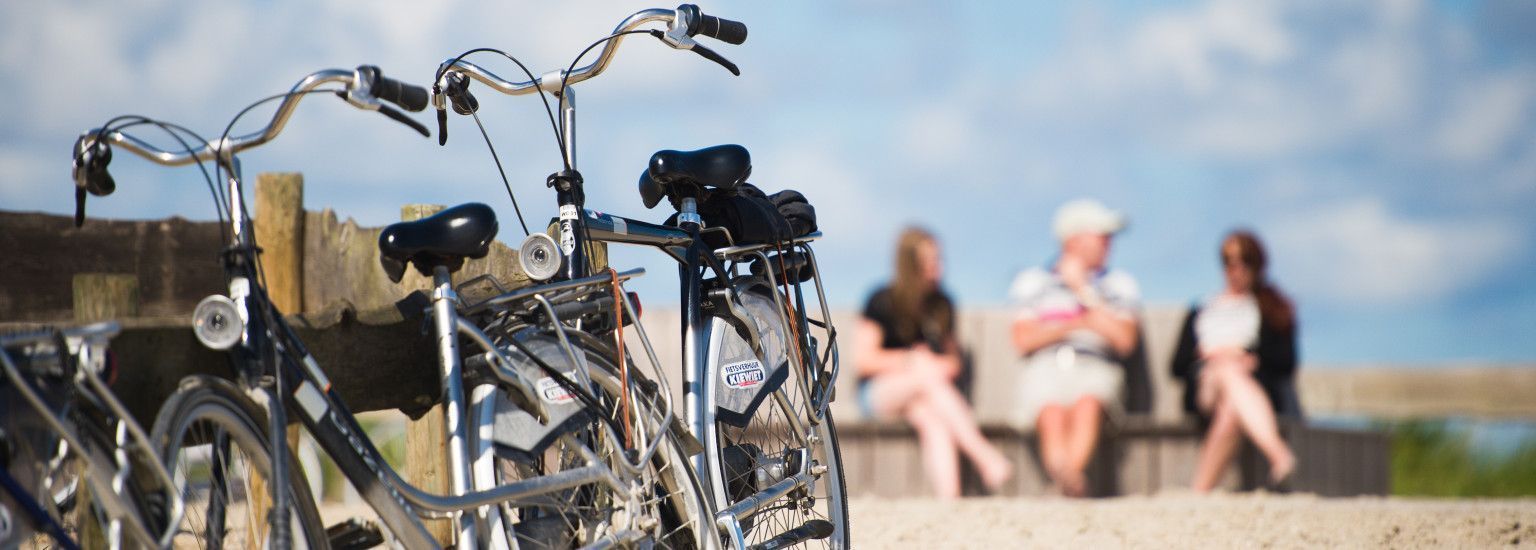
[1086, 216]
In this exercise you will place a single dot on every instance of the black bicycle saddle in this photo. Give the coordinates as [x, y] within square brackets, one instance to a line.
[442, 239]
[721, 167]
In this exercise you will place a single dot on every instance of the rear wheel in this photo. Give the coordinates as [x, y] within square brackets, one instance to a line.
[749, 456]
[752, 458]
[214, 443]
[667, 494]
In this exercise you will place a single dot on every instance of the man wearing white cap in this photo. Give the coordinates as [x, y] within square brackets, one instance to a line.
[1076, 324]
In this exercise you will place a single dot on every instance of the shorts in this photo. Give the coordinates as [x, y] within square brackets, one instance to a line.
[866, 399]
[1061, 378]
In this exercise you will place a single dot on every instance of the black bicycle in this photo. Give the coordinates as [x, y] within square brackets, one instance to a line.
[758, 367]
[581, 481]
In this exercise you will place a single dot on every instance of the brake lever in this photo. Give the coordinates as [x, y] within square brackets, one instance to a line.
[391, 112]
[400, 117]
[90, 173]
[442, 115]
[712, 56]
[79, 207]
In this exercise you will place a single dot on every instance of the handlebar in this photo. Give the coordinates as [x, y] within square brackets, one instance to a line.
[364, 88]
[682, 24]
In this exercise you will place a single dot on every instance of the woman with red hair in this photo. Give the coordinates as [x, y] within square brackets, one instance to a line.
[1237, 356]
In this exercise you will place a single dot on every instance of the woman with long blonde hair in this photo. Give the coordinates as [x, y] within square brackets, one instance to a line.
[907, 358]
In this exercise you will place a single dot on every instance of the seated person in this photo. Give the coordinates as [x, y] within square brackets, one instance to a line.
[1237, 355]
[907, 357]
[1076, 324]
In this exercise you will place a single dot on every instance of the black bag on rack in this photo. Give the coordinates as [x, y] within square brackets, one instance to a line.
[753, 217]
[798, 211]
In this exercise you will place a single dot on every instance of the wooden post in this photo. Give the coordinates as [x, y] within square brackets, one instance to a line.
[280, 233]
[102, 296]
[99, 297]
[426, 459]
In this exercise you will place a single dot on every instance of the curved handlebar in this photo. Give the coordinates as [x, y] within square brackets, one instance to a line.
[361, 85]
[682, 24]
[551, 81]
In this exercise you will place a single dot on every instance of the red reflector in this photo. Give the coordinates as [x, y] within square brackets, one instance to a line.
[634, 298]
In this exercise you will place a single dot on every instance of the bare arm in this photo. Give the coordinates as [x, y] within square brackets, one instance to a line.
[1029, 335]
[1118, 330]
[870, 359]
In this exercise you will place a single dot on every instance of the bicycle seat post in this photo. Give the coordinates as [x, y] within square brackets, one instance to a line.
[445, 317]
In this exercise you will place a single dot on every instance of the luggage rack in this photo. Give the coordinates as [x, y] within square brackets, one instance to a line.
[775, 269]
[524, 301]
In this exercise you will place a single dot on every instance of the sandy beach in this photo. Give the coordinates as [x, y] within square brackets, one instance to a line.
[1187, 520]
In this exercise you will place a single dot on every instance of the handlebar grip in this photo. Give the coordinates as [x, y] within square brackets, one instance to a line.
[408, 97]
[724, 30]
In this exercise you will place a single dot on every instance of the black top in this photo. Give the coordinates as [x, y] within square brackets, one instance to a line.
[881, 309]
[1276, 372]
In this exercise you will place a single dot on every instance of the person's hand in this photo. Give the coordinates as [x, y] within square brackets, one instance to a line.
[1073, 272]
[925, 360]
[1232, 355]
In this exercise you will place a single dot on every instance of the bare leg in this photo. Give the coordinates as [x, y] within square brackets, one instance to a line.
[1085, 418]
[1240, 391]
[946, 403]
[1220, 444]
[1051, 427]
[940, 461]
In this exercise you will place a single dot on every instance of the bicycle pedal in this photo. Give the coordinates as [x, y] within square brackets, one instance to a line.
[354, 534]
[815, 529]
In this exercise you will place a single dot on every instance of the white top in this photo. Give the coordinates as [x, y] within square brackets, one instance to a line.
[1228, 321]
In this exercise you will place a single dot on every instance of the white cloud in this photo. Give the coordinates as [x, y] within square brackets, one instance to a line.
[1487, 116]
[1358, 252]
[938, 135]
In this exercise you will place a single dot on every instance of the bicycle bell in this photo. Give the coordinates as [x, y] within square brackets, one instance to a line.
[216, 322]
[539, 256]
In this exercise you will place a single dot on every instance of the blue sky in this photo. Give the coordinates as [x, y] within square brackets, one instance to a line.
[1386, 150]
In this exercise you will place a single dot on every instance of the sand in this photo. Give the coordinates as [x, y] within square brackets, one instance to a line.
[1188, 520]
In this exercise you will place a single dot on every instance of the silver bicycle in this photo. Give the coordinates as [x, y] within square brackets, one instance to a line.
[758, 366]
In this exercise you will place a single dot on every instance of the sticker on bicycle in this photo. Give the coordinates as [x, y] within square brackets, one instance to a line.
[552, 392]
[745, 374]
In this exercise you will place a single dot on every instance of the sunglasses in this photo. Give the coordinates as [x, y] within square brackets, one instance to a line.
[1228, 260]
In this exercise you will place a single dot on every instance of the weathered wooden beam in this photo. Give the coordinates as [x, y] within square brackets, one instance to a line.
[378, 359]
[1500, 392]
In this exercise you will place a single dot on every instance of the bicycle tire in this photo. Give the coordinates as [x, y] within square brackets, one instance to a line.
[766, 436]
[674, 494]
[201, 413]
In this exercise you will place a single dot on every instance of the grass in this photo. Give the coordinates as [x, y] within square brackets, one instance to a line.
[1429, 458]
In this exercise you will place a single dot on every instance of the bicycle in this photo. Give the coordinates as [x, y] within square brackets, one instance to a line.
[774, 472]
[213, 431]
[75, 468]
